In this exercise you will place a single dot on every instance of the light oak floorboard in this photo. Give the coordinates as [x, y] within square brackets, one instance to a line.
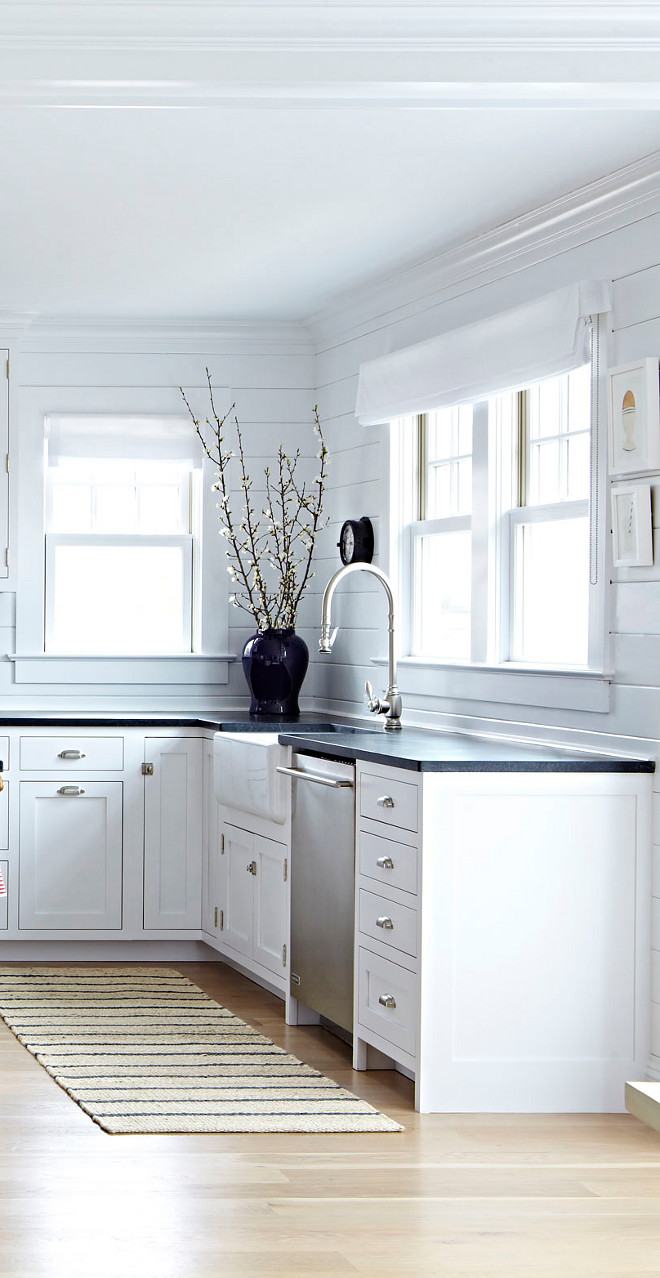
[453, 1196]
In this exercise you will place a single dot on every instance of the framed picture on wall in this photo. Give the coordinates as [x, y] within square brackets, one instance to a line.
[634, 417]
[632, 530]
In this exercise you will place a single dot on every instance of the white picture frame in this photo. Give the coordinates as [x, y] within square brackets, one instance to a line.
[632, 527]
[634, 417]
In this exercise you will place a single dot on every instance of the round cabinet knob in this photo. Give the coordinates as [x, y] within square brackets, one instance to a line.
[385, 863]
[385, 922]
[387, 1000]
[386, 801]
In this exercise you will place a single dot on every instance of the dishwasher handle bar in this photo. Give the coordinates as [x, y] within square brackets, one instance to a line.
[332, 783]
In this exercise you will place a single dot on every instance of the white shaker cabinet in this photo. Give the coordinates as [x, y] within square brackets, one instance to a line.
[173, 825]
[252, 885]
[525, 987]
[70, 855]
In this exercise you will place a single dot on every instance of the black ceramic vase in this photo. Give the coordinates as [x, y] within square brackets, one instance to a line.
[275, 664]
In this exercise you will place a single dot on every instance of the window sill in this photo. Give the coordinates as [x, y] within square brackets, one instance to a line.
[510, 684]
[140, 668]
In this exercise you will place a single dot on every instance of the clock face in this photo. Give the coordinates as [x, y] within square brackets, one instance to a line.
[347, 543]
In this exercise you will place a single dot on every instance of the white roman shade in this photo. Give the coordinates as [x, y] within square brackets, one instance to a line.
[541, 339]
[130, 437]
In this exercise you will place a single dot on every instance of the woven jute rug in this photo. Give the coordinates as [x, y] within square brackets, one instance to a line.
[145, 1050]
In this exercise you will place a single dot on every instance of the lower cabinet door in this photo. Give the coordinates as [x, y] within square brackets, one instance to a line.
[270, 904]
[239, 891]
[254, 896]
[173, 833]
[70, 874]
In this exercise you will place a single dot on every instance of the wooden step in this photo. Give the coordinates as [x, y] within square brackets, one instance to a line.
[643, 1100]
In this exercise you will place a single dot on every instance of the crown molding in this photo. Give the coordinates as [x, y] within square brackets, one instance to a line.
[102, 334]
[258, 23]
[633, 95]
[617, 200]
[387, 31]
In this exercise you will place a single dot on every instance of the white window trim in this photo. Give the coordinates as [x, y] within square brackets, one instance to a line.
[505, 682]
[208, 664]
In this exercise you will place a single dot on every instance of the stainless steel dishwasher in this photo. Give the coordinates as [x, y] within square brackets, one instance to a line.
[323, 885]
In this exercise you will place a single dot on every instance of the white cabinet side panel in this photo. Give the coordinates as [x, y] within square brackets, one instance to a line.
[535, 943]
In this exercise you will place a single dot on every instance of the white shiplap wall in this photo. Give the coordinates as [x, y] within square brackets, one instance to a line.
[268, 370]
[623, 246]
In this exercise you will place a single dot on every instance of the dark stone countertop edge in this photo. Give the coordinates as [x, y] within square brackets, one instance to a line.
[349, 753]
[407, 758]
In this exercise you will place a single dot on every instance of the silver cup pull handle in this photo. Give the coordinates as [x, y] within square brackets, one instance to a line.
[71, 754]
[387, 1000]
[385, 863]
[385, 801]
[74, 791]
[385, 922]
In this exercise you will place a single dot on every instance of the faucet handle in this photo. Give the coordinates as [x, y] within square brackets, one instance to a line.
[373, 703]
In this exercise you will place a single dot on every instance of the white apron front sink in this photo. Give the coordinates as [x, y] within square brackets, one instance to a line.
[245, 773]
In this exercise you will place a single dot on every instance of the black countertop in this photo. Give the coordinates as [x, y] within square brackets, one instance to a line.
[422, 750]
[417, 749]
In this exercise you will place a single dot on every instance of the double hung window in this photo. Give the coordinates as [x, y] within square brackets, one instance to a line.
[497, 547]
[120, 550]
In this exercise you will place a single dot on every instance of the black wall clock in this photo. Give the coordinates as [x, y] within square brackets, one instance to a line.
[356, 541]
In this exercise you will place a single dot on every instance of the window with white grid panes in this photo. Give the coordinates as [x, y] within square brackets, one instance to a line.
[499, 551]
[119, 556]
[550, 526]
[441, 536]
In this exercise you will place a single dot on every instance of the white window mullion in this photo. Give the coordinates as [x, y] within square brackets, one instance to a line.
[480, 525]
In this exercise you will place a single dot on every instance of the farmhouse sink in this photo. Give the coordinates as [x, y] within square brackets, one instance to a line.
[245, 773]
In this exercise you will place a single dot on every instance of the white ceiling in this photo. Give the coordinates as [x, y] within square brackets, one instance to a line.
[272, 175]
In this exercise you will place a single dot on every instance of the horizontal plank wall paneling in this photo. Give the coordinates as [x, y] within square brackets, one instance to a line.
[267, 369]
[412, 306]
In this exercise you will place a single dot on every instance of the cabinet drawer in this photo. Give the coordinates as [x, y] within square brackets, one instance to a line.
[81, 754]
[394, 802]
[388, 862]
[387, 1000]
[389, 922]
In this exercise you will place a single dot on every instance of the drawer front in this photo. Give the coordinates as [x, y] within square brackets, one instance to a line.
[387, 1000]
[72, 753]
[388, 862]
[388, 922]
[393, 802]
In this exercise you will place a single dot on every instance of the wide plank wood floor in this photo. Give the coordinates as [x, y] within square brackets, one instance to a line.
[456, 1196]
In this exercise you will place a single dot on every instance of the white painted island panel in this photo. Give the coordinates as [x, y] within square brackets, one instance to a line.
[535, 941]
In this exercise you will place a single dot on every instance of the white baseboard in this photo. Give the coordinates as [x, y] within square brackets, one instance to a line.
[107, 952]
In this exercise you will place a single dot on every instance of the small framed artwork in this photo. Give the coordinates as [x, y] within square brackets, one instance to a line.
[632, 530]
[635, 417]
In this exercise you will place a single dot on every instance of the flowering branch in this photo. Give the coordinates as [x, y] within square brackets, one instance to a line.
[270, 556]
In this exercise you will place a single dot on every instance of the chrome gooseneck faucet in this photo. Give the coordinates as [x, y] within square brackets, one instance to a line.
[391, 705]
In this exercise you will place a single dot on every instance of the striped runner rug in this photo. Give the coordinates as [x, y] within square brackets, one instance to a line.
[146, 1050]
